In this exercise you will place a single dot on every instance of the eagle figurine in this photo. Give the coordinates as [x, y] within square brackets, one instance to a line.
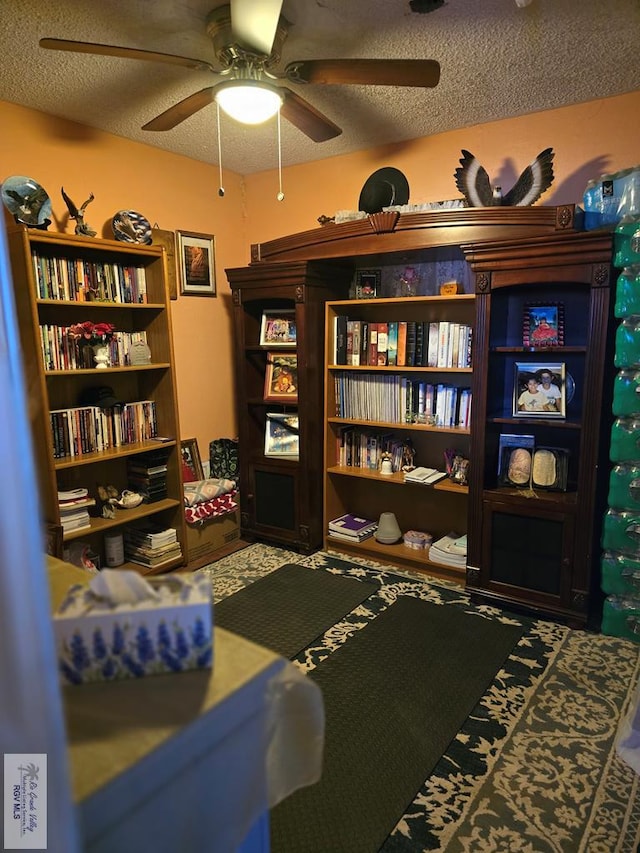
[473, 182]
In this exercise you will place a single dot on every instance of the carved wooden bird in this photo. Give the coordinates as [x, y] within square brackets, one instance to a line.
[473, 182]
[76, 213]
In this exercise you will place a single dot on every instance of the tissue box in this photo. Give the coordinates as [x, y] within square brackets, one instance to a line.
[97, 640]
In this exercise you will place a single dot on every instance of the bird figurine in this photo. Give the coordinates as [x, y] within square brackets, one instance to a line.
[76, 213]
[473, 182]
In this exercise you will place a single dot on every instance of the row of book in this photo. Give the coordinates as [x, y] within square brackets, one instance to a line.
[62, 352]
[74, 509]
[150, 545]
[402, 344]
[78, 280]
[397, 399]
[90, 429]
[361, 448]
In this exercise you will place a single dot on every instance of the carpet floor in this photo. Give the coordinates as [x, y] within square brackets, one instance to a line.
[533, 768]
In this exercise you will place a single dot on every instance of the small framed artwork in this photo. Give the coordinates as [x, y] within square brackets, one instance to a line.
[191, 462]
[196, 262]
[539, 390]
[281, 378]
[543, 324]
[278, 328]
[281, 435]
[367, 284]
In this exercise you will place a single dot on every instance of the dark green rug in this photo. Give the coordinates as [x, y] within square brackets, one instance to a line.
[395, 694]
[289, 608]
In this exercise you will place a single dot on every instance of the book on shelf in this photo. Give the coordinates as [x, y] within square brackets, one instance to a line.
[424, 476]
[345, 537]
[150, 534]
[451, 550]
[340, 338]
[352, 525]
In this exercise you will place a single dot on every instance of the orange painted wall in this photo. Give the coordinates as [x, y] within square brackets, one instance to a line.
[179, 193]
[174, 192]
[588, 140]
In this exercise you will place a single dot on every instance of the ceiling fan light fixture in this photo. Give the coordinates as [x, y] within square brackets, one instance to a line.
[248, 101]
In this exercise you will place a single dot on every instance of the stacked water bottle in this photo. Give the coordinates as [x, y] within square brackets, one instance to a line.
[621, 533]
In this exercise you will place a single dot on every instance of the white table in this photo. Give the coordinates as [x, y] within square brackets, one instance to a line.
[193, 761]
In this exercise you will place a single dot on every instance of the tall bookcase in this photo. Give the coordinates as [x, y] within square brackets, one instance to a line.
[281, 496]
[534, 538]
[47, 270]
[360, 487]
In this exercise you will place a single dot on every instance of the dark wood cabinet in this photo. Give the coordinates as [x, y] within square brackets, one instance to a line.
[531, 545]
[281, 497]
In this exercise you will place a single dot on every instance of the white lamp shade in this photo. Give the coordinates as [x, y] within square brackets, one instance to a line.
[248, 101]
[388, 530]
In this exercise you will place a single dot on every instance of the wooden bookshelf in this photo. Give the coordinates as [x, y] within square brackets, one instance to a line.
[52, 389]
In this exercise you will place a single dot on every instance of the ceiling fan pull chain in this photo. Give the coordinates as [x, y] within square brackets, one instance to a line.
[280, 196]
[220, 187]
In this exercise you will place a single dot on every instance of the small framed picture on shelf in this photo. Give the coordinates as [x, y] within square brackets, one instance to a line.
[543, 324]
[281, 435]
[278, 328]
[196, 262]
[281, 378]
[539, 390]
[367, 284]
[191, 463]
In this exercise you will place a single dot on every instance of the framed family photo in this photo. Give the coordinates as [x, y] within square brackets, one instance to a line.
[543, 324]
[540, 390]
[281, 378]
[196, 263]
[278, 328]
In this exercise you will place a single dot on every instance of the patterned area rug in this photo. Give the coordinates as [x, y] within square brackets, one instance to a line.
[534, 768]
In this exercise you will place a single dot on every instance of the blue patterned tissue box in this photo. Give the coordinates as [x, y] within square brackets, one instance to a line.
[171, 631]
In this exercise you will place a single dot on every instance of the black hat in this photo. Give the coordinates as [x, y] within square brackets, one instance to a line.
[101, 395]
[384, 188]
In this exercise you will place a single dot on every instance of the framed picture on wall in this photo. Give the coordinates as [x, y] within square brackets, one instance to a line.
[281, 378]
[539, 390]
[196, 263]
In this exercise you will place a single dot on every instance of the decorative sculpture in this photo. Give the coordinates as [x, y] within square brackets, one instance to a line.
[473, 182]
[78, 214]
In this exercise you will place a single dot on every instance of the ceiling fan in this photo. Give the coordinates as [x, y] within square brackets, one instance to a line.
[248, 36]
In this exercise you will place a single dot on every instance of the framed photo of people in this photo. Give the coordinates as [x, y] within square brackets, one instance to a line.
[543, 324]
[540, 390]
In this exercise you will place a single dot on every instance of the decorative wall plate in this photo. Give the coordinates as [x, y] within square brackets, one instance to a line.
[131, 227]
[27, 201]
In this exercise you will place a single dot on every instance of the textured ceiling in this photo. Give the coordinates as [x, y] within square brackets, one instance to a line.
[497, 59]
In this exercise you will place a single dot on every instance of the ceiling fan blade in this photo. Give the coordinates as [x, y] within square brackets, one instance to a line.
[182, 110]
[254, 23]
[366, 72]
[306, 118]
[125, 53]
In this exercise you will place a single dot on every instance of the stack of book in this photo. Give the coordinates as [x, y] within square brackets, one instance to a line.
[352, 528]
[451, 550]
[147, 475]
[150, 545]
[74, 509]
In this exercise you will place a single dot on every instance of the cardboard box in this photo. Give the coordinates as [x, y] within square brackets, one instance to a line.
[204, 538]
[97, 640]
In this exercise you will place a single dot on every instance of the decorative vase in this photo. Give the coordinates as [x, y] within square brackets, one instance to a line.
[101, 355]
